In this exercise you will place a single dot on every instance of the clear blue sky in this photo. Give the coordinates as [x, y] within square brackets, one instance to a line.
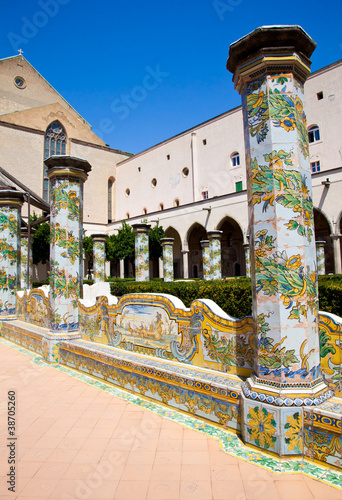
[142, 71]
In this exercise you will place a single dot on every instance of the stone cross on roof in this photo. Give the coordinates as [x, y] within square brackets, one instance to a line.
[20, 52]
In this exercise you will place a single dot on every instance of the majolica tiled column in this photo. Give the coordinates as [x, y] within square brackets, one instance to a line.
[206, 259]
[141, 251]
[215, 254]
[24, 247]
[67, 176]
[320, 257]
[99, 259]
[167, 244]
[247, 260]
[270, 66]
[11, 202]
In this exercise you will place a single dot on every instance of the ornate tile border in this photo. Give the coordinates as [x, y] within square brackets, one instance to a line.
[230, 442]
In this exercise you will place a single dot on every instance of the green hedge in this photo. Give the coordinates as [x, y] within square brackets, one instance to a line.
[330, 294]
[233, 296]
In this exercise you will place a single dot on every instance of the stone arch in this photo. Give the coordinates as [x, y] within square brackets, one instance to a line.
[232, 251]
[323, 231]
[171, 232]
[195, 234]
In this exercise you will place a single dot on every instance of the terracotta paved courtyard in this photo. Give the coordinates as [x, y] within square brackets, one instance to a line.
[75, 441]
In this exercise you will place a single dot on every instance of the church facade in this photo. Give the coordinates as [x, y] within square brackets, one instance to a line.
[189, 184]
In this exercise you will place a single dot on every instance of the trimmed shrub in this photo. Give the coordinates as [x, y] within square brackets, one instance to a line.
[233, 296]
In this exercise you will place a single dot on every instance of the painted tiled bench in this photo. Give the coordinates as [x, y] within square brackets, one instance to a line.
[192, 359]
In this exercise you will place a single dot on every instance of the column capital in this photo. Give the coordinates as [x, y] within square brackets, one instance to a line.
[11, 197]
[204, 243]
[336, 236]
[99, 237]
[141, 228]
[24, 232]
[167, 241]
[214, 234]
[270, 49]
[67, 166]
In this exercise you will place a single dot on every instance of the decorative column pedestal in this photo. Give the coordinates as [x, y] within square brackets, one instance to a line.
[25, 266]
[99, 252]
[215, 254]
[320, 257]
[167, 244]
[206, 259]
[141, 251]
[67, 175]
[270, 66]
[11, 202]
[247, 260]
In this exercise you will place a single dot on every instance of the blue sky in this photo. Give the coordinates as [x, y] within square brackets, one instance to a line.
[141, 72]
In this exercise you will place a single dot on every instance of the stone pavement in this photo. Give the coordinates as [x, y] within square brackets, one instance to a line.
[76, 441]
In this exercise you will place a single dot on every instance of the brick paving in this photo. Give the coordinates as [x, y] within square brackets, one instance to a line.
[76, 442]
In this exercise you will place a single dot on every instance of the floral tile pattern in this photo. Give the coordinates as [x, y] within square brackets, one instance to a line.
[141, 252]
[167, 259]
[66, 247]
[99, 251]
[230, 442]
[9, 258]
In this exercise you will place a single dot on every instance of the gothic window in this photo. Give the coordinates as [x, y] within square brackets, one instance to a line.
[54, 144]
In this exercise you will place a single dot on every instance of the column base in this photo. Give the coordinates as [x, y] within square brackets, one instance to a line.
[278, 394]
[272, 428]
[50, 344]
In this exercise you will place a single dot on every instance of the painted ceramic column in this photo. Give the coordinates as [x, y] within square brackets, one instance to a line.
[24, 246]
[141, 251]
[206, 259]
[320, 257]
[11, 202]
[67, 175]
[215, 254]
[270, 66]
[167, 244]
[247, 260]
[99, 252]
[185, 254]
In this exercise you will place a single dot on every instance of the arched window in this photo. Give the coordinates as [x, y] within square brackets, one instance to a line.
[314, 134]
[54, 144]
[110, 199]
[235, 159]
